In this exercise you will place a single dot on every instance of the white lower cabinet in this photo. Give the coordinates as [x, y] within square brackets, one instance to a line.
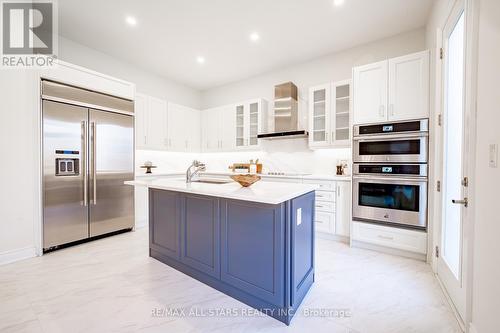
[343, 208]
[401, 239]
[324, 222]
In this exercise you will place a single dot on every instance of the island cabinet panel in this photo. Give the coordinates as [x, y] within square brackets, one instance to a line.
[302, 250]
[253, 249]
[200, 233]
[164, 231]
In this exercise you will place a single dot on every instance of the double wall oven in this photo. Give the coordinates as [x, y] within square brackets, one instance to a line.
[390, 173]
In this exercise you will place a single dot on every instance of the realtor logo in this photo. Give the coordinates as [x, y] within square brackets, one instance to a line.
[28, 34]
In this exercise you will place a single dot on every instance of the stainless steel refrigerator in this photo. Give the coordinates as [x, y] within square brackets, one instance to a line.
[88, 152]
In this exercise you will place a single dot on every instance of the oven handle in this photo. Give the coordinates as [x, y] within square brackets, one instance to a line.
[392, 179]
[391, 137]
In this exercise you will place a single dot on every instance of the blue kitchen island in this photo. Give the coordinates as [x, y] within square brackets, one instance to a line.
[254, 244]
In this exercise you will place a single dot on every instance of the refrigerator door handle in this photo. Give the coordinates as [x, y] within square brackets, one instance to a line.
[84, 162]
[94, 165]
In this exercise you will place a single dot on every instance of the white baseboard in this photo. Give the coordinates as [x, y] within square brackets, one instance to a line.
[472, 328]
[336, 238]
[388, 250]
[140, 224]
[8, 257]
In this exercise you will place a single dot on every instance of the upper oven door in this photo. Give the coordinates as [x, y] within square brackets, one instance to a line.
[386, 199]
[400, 148]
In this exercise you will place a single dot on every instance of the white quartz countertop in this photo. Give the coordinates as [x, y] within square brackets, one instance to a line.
[262, 192]
[330, 177]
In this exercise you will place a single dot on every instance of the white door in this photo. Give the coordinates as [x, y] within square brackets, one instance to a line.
[450, 263]
[370, 93]
[157, 124]
[319, 116]
[141, 116]
[409, 87]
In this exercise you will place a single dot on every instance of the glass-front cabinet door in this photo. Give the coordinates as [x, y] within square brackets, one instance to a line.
[253, 109]
[319, 115]
[240, 126]
[341, 112]
[248, 124]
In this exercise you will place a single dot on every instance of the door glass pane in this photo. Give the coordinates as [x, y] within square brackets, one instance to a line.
[397, 147]
[453, 128]
[319, 136]
[392, 196]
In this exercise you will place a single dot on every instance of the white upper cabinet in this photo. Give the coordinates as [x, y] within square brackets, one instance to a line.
[183, 128]
[370, 93]
[218, 130]
[395, 89]
[330, 114]
[248, 123]
[341, 113]
[160, 125]
[409, 87]
[319, 115]
[150, 123]
[157, 124]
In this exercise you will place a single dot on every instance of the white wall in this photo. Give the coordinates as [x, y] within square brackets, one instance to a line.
[146, 82]
[18, 168]
[332, 67]
[486, 278]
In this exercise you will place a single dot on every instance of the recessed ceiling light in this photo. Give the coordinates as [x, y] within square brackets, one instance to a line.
[338, 2]
[131, 20]
[200, 60]
[254, 37]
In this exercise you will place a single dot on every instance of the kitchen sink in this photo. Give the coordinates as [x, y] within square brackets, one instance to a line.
[212, 181]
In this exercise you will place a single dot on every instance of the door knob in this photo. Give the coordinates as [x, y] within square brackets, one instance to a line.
[464, 202]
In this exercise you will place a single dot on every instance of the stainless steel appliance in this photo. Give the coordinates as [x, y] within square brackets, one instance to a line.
[88, 152]
[390, 173]
[391, 193]
[403, 142]
[284, 121]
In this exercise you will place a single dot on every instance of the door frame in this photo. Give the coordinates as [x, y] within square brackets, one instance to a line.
[470, 114]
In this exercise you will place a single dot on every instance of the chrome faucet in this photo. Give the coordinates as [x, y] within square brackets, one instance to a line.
[199, 166]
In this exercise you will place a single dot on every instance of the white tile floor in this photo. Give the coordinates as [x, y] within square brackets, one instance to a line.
[111, 285]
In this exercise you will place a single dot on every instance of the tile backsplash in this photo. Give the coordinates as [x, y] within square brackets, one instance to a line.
[289, 156]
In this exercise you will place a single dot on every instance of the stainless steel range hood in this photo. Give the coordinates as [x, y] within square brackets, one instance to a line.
[284, 120]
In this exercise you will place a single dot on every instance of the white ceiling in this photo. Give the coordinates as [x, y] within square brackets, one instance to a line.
[171, 34]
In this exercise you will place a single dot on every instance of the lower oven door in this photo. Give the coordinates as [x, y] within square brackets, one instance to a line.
[394, 200]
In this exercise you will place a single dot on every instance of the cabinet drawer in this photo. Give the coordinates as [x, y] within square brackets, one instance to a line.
[325, 196]
[324, 185]
[325, 206]
[408, 240]
[325, 222]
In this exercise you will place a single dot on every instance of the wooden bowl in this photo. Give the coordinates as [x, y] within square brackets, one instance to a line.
[245, 180]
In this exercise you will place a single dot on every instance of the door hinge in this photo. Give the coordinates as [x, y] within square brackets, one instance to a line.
[437, 251]
[438, 186]
[441, 53]
[440, 120]
[465, 182]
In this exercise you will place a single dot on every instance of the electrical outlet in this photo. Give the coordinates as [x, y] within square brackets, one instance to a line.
[493, 155]
[299, 216]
